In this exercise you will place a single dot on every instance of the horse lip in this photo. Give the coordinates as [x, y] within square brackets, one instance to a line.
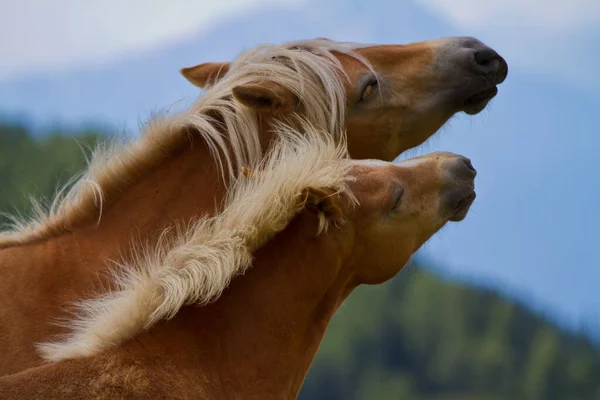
[476, 103]
[482, 96]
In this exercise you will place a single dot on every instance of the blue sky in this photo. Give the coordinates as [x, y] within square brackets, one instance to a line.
[532, 230]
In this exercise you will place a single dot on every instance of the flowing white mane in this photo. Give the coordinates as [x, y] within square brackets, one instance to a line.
[307, 68]
[200, 263]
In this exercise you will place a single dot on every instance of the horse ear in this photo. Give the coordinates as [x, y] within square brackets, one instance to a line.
[266, 97]
[323, 201]
[203, 74]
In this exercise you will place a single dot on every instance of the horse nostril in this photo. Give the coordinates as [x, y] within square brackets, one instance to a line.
[469, 165]
[463, 169]
[485, 56]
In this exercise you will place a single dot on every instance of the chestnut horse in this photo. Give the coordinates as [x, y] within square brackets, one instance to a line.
[181, 167]
[405, 94]
[334, 224]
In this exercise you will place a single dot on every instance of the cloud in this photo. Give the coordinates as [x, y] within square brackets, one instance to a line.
[41, 35]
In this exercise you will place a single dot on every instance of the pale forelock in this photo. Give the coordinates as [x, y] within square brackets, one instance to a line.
[200, 262]
[312, 73]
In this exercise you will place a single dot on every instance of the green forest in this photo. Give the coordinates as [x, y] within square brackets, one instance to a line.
[417, 337]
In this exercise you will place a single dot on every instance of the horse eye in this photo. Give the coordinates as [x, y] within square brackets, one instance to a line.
[398, 201]
[369, 89]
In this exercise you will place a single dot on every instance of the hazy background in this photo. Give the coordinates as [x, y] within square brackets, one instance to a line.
[531, 235]
[532, 230]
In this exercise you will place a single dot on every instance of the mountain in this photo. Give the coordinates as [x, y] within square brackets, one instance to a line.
[421, 337]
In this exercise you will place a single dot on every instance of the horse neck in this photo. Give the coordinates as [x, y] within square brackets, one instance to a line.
[260, 337]
[185, 186]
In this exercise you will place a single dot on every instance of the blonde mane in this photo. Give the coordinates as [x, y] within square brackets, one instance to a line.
[201, 262]
[307, 68]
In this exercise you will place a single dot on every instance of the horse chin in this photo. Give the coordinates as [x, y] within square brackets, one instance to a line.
[462, 209]
[477, 103]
